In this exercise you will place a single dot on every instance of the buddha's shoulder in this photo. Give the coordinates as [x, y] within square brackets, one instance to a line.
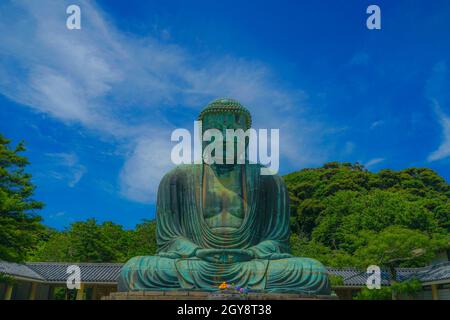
[194, 170]
[268, 176]
[275, 179]
[182, 170]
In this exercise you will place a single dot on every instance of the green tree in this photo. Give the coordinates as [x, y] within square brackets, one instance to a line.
[89, 241]
[397, 246]
[317, 250]
[53, 248]
[143, 239]
[84, 241]
[406, 289]
[20, 226]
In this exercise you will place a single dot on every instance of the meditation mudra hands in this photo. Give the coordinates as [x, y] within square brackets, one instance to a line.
[214, 255]
[225, 255]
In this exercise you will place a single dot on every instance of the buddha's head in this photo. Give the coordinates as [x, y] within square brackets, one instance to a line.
[223, 114]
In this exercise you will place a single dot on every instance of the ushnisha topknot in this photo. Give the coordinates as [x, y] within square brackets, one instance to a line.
[226, 105]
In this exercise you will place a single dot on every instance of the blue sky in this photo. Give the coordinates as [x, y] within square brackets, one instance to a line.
[96, 106]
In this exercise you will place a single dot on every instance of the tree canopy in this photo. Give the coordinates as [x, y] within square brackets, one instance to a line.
[90, 241]
[344, 215]
[20, 227]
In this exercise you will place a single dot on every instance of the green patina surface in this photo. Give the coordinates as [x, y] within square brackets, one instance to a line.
[223, 223]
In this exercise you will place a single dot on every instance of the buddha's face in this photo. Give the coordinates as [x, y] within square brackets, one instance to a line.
[222, 122]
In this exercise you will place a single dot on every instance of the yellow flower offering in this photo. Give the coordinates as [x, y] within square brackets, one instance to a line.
[223, 285]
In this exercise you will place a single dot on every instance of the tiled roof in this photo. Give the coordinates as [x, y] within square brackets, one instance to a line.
[355, 277]
[57, 271]
[344, 273]
[436, 272]
[109, 272]
[19, 270]
[90, 272]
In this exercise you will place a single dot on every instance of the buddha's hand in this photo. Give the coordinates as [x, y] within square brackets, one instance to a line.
[224, 255]
[278, 256]
[170, 255]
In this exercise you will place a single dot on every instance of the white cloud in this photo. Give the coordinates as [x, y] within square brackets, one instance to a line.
[119, 85]
[68, 168]
[144, 168]
[373, 162]
[349, 147]
[376, 124]
[444, 149]
[56, 215]
[436, 90]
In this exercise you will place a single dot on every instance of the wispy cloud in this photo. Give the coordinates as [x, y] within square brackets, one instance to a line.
[57, 215]
[120, 85]
[373, 162]
[66, 166]
[377, 124]
[436, 90]
[349, 147]
[444, 149]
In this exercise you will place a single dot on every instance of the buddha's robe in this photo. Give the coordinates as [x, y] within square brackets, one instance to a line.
[254, 255]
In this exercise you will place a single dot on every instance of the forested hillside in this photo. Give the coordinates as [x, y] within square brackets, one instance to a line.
[90, 241]
[344, 215]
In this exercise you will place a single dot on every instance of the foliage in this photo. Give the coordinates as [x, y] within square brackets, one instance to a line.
[143, 239]
[62, 293]
[92, 242]
[384, 293]
[344, 215]
[6, 279]
[398, 246]
[317, 250]
[20, 226]
[335, 280]
[406, 289]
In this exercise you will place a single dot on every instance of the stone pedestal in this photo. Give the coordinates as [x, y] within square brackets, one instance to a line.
[202, 295]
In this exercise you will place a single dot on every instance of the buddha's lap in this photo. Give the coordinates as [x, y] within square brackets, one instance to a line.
[157, 264]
